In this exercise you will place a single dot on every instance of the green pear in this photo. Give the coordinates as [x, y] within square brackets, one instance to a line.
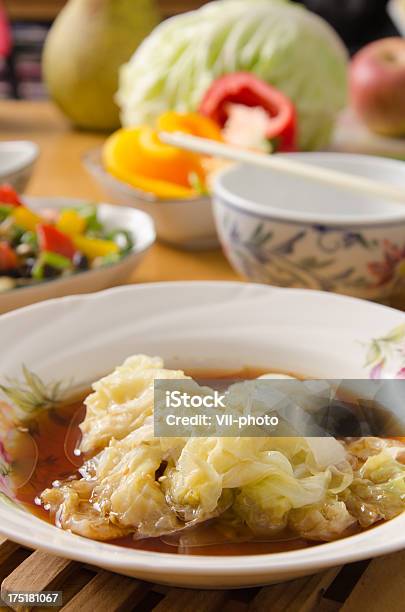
[87, 44]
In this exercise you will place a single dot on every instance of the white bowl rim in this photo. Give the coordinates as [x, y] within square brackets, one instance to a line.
[28, 150]
[179, 285]
[120, 558]
[62, 200]
[263, 211]
[323, 555]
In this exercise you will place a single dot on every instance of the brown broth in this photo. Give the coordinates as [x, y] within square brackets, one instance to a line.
[57, 434]
[241, 548]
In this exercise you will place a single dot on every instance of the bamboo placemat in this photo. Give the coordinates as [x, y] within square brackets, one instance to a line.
[376, 586]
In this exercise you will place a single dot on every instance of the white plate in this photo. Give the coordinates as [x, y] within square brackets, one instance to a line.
[138, 223]
[202, 325]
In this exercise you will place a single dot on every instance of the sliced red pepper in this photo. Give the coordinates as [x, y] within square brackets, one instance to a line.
[52, 240]
[8, 258]
[246, 89]
[9, 196]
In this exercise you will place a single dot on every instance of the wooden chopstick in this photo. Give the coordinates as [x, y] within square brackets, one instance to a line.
[281, 163]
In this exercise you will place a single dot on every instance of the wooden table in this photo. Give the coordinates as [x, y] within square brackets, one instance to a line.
[59, 171]
[375, 586]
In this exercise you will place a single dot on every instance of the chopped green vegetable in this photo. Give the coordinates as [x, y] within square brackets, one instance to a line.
[31, 239]
[35, 248]
[15, 235]
[49, 259]
[122, 238]
[89, 212]
[5, 210]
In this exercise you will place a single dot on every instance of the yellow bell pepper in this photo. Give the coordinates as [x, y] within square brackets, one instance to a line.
[137, 153]
[138, 157]
[26, 218]
[189, 123]
[71, 223]
[94, 247]
[161, 189]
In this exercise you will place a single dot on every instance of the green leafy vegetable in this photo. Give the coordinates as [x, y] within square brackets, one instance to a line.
[278, 41]
[5, 211]
[123, 238]
[89, 213]
[54, 260]
[31, 239]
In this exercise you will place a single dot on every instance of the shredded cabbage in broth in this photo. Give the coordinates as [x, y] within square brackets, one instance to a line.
[244, 488]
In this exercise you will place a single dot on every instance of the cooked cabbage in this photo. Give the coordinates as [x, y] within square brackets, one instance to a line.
[122, 401]
[316, 488]
[378, 489]
[324, 521]
[280, 42]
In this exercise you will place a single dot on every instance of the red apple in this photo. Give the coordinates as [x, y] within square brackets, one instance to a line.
[377, 83]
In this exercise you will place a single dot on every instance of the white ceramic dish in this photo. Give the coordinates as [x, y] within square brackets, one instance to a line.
[296, 233]
[17, 159]
[138, 223]
[186, 224]
[202, 325]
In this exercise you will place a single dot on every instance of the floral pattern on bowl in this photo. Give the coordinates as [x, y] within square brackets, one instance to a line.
[386, 355]
[27, 398]
[361, 262]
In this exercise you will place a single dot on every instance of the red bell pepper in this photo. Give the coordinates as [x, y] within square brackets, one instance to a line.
[8, 258]
[52, 240]
[9, 196]
[248, 90]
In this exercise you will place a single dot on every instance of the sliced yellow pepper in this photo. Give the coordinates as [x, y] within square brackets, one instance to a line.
[139, 152]
[190, 123]
[71, 223]
[26, 218]
[94, 247]
[161, 189]
[137, 156]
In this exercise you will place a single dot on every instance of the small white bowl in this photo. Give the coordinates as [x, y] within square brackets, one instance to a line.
[293, 232]
[17, 159]
[79, 338]
[115, 217]
[186, 224]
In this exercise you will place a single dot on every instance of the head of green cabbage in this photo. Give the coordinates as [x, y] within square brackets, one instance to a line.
[279, 41]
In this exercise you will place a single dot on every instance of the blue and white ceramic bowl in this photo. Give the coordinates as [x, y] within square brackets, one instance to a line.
[293, 232]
